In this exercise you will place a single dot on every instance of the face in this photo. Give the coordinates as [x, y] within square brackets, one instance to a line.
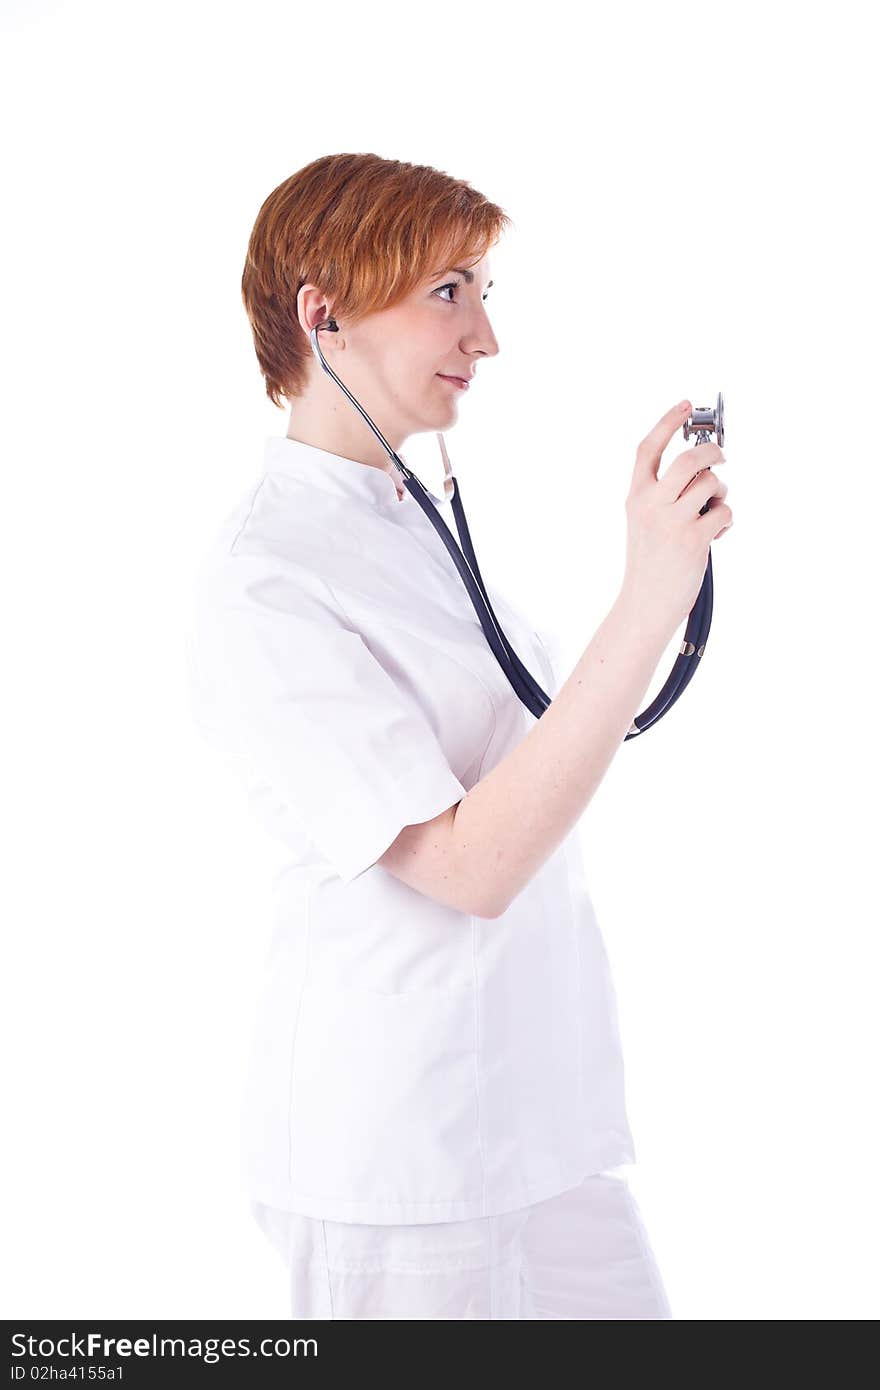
[395, 361]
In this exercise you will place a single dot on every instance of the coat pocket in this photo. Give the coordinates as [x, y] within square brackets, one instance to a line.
[384, 1104]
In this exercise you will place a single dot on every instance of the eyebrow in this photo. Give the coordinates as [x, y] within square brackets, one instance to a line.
[460, 270]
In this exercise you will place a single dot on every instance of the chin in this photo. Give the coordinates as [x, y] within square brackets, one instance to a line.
[438, 418]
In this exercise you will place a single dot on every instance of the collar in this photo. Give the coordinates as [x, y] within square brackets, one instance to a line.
[333, 472]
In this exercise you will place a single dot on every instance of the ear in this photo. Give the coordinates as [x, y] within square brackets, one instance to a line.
[313, 307]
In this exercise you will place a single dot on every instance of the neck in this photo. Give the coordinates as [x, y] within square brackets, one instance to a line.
[324, 418]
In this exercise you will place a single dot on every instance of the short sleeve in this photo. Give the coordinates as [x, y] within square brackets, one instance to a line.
[282, 678]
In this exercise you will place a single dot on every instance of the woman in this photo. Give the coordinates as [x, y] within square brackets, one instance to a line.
[435, 1100]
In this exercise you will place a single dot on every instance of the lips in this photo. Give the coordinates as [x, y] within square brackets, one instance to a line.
[458, 381]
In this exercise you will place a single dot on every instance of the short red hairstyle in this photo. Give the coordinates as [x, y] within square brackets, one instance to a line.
[367, 230]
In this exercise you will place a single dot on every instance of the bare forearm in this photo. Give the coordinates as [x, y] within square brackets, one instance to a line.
[515, 817]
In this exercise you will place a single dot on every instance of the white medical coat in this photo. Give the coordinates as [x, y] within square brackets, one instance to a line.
[411, 1063]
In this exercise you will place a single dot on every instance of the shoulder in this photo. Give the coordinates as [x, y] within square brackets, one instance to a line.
[253, 580]
[274, 540]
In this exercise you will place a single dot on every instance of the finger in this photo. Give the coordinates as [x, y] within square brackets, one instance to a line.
[651, 448]
[689, 464]
[712, 504]
[698, 484]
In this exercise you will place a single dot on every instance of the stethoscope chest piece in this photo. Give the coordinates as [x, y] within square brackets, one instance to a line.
[705, 421]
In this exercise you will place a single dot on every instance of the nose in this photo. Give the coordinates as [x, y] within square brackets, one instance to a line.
[479, 336]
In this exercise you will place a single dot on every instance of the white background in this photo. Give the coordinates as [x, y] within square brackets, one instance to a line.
[692, 187]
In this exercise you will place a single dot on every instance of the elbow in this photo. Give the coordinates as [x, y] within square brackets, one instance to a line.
[489, 908]
[486, 912]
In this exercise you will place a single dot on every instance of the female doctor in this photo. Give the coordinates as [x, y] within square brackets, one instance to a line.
[434, 1110]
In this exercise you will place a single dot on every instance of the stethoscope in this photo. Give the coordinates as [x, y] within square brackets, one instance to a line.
[703, 422]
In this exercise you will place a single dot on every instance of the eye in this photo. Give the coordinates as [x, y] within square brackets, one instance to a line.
[454, 285]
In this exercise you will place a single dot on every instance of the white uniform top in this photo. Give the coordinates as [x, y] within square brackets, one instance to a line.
[411, 1063]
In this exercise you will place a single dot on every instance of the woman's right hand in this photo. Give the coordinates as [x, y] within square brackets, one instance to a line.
[668, 540]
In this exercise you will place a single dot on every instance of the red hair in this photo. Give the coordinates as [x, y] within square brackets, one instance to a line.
[367, 231]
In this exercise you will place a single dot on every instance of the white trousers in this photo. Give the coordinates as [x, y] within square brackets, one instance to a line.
[582, 1254]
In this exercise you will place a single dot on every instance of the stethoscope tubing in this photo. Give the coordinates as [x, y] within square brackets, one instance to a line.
[530, 693]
